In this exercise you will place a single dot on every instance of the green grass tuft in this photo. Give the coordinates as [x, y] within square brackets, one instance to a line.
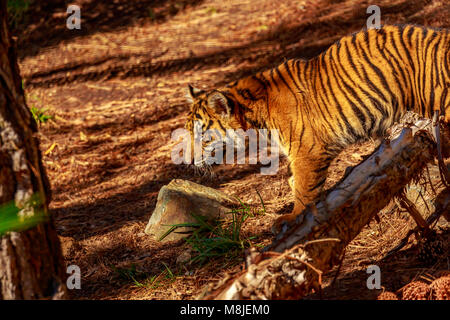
[17, 10]
[223, 238]
[40, 115]
[142, 280]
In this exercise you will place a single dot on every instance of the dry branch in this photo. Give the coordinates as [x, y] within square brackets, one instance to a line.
[292, 265]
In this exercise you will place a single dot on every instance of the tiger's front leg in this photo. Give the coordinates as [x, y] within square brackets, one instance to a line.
[307, 181]
[308, 178]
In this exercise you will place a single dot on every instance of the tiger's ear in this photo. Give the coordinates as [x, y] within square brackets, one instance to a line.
[192, 93]
[219, 103]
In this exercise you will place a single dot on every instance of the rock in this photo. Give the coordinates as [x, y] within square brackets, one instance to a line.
[184, 257]
[176, 203]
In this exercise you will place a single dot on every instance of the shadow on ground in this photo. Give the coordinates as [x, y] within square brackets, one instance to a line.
[44, 23]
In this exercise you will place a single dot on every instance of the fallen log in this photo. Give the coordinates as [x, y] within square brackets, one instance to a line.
[293, 264]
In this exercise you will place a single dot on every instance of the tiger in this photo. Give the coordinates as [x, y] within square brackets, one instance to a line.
[353, 91]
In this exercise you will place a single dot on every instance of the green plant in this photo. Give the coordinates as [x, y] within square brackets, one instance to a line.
[40, 115]
[128, 273]
[141, 279]
[16, 11]
[213, 239]
[151, 14]
[262, 203]
[11, 219]
[158, 280]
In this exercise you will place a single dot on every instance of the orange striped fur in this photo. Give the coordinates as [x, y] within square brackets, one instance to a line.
[354, 90]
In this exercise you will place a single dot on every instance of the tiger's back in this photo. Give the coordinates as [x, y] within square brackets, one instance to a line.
[363, 83]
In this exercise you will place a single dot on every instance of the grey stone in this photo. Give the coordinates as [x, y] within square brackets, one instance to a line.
[176, 203]
[184, 257]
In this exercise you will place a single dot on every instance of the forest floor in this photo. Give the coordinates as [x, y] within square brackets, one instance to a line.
[116, 90]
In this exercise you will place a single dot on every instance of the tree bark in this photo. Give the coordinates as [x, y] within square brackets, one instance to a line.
[293, 264]
[31, 263]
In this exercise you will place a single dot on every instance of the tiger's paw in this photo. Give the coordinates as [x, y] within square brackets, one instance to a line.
[282, 223]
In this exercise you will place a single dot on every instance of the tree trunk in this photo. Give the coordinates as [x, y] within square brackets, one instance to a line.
[31, 263]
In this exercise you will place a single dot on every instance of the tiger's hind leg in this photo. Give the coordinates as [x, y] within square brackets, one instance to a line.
[308, 178]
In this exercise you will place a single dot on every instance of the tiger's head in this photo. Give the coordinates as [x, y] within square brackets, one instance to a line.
[211, 114]
[214, 112]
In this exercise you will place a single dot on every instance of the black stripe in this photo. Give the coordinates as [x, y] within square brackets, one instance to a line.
[355, 109]
[377, 71]
[390, 61]
[286, 65]
[273, 79]
[263, 78]
[405, 79]
[408, 55]
[336, 103]
[210, 122]
[260, 81]
[434, 80]
[313, 144]
[298, 110]
[280, 75]
[447, 55]
[323, 103]
[320, 183]
[369, 81]
[246, 94]
[297, 66]
[436, 63]
[367, 94]
[221, 126]
[324, 168]
[409, 34]
[406, 76]
[355, 94]
[308, 65]
[348, 126]
[290, 137]
[421, 72]
[405, 48]
[301, 138]
[230, 103]
[268, 85]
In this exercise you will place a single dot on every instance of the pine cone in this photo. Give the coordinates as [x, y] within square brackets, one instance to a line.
[440, 288]
[387, 295]
[430, 249]
[416, 290]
